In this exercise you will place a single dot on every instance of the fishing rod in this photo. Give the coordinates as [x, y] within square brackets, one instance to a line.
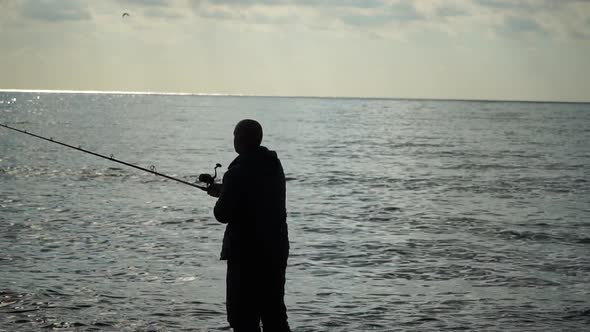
[207, 178]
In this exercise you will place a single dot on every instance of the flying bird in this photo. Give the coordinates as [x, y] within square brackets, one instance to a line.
[125, 14]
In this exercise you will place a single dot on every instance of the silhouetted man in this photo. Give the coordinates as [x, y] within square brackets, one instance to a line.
[255, 244]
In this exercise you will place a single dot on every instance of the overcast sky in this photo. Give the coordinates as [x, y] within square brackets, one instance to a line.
[464, 49]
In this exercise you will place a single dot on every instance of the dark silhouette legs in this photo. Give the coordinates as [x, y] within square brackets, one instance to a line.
[255, 292]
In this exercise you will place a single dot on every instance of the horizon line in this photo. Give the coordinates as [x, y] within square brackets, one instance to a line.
[214, 94]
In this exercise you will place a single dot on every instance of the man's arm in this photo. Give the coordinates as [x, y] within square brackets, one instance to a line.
[227, 205]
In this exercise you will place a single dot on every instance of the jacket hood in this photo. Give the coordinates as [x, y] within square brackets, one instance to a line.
[261, 158]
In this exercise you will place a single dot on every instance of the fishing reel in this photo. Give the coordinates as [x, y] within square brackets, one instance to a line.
[208, 178]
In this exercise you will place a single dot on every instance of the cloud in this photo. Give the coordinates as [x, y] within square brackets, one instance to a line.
[450, 11]
[560, 19]
[521, 24]
[539, 19]
[397, 13]
[154, 9]
[366, 20]
[158, 3]
[504, 4]
[161, 13]
[317, 14]
[55, 10]
[306, 3]
[529, 5]
[404, 11]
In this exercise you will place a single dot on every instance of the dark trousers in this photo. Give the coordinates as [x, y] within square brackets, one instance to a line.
[255, 292]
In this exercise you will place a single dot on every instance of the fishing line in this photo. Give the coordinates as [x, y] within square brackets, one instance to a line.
[152, 169]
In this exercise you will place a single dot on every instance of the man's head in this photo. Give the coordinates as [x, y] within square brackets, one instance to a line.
[247, 136]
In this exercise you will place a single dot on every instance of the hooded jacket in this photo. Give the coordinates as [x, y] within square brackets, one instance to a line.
[252, 204]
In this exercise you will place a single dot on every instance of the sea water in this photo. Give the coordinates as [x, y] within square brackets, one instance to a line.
[404, 215]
